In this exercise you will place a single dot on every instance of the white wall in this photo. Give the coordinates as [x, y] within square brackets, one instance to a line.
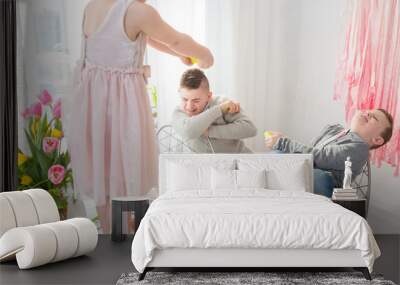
[312, 50]
[384, 215]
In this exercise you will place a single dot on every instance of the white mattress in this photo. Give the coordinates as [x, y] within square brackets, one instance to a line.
[251, 218]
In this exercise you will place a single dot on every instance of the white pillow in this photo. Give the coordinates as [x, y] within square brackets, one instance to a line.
[251, 178]
[182, 177]
[191, 173]
[281, 173]
[237, 179]
[290, 178]
[223, 179]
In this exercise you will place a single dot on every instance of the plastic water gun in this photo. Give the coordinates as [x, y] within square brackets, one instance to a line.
[267, 134]
[193, 60]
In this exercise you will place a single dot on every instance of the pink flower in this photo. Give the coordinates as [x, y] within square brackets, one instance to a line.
[36, 110]
[49, 144]
[45, 98]
[57, 110]
[56, 174]
[27, 113]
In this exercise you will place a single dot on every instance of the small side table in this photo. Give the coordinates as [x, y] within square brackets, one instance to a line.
[137, 204]
[358, 206]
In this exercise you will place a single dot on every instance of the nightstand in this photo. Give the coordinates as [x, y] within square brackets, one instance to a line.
[137, 204]
[358, 206]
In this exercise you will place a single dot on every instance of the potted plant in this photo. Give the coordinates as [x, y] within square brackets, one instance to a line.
[47, 164]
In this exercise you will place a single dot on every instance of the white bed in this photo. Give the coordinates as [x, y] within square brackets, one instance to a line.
[247, 210]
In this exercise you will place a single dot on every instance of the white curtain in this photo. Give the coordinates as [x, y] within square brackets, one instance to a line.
[247, 38]
[48, 45]
[44, 45]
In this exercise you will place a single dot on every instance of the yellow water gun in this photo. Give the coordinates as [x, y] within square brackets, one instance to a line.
[267, 134]
[193, 60]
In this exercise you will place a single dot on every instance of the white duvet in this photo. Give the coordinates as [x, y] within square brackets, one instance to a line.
[252, 218]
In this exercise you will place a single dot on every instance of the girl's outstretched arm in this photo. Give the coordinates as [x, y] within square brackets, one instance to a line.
[162, 47]
[148, 20]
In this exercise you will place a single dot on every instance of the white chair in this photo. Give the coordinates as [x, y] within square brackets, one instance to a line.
[362, 182]
[31, 231]
[170, 142]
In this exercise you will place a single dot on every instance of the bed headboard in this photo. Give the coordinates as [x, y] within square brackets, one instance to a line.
[207, 159]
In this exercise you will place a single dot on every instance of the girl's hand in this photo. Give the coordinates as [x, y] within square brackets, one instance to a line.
[206, 61]
[186, 60]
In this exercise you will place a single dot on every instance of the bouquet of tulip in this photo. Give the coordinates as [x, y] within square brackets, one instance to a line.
[47, 165]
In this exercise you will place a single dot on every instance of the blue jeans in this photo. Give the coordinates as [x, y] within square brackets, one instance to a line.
[323, 183]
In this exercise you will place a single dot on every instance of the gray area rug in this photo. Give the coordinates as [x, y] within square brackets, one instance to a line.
[228, 278]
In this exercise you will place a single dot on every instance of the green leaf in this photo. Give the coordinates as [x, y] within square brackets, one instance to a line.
[33, 170]
[31, 145]
[67, 158]
[30, 124]
[53, 157]
[40, 156]
[43, 123]
[59, 198]
[58, 124]
[48, 132]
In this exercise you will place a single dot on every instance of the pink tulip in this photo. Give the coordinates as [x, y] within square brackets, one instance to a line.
[27, 113]
[57, 110]
[36, 109]
[45, 98]
[49, 144]
[56, 174]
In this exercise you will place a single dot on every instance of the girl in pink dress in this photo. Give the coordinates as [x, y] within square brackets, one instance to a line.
[111, 133]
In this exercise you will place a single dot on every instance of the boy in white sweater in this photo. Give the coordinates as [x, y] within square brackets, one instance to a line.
[209, 124]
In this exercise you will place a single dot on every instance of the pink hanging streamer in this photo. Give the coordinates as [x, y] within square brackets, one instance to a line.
[368, 72]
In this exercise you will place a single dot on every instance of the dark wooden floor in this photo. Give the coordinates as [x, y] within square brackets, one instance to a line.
[102, 266]
[110, 260]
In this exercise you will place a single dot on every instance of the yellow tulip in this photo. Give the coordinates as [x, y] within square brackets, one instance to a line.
[21, 158]
[56, 133]
[26, 180]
